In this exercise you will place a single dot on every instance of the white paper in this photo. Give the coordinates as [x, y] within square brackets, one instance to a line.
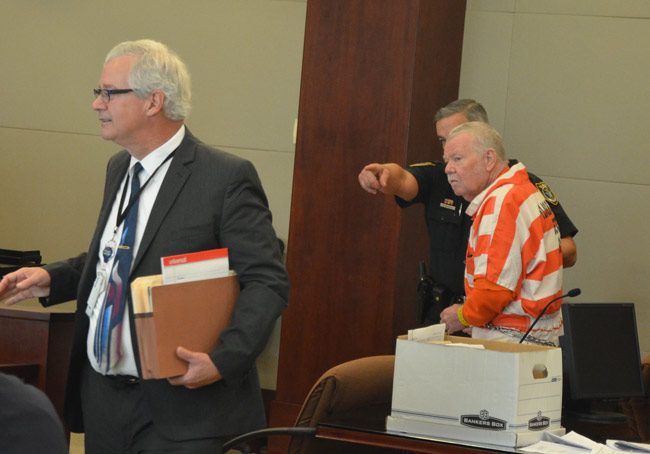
[433, 333]
[602, 449]
[628, 446]
[460, 344]
[571, 443]
[547, 447]
[573, 439]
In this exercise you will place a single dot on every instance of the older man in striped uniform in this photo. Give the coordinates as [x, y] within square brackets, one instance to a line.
[514, 258]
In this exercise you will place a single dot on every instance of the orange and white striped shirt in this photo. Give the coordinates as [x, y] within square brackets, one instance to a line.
[514, 243]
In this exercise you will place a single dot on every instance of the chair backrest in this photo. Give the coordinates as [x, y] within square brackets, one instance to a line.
[355, 384]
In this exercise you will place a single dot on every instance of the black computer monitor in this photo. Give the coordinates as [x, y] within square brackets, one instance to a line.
[601, 351]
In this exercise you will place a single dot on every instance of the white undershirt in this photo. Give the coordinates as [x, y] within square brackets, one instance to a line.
[126, 365]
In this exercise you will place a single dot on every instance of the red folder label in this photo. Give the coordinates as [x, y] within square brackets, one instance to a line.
[194, 266]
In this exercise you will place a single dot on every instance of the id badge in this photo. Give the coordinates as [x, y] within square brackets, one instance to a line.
[99, 288]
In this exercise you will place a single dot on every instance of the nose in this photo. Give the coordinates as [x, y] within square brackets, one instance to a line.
[98, 103]
[449, 169]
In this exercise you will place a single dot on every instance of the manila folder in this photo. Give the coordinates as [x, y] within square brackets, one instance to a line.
[187, 314]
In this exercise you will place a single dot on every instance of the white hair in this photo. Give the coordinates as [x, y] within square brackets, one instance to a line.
[484, 135]
[157, 68]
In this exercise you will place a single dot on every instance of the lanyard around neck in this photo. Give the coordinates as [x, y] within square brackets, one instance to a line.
[121, 215]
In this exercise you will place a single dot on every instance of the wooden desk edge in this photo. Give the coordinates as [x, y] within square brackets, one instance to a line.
[35, 313]
[388, 440]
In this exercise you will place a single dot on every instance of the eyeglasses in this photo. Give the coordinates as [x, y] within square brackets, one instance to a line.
[106, 93]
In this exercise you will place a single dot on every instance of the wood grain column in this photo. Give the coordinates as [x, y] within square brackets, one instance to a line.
[374, 73]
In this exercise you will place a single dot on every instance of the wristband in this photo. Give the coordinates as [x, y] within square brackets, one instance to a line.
[461, 318]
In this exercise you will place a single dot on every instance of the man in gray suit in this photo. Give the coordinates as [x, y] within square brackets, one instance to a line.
[188, 198]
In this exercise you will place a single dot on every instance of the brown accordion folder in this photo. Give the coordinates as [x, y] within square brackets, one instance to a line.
[187, 314]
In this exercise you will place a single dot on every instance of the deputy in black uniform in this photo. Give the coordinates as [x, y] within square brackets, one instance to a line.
[447, 223]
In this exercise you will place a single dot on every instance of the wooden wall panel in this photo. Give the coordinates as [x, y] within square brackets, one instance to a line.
[374, 73]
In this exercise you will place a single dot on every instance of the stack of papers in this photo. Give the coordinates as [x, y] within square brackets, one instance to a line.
[628, 446]
[573, 443]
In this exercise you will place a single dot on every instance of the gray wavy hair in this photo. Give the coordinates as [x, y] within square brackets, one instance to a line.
[157, 68]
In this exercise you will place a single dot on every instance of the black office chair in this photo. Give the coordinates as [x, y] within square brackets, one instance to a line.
[342, 390]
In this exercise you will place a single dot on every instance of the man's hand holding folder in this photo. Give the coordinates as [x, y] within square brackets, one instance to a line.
[178, 324]
[200, 372]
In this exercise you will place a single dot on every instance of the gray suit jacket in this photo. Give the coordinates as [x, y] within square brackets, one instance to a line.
[208, 199]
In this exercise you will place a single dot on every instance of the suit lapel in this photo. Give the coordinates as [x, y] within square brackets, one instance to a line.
[175, 179]
[114, 180]
[114, 176]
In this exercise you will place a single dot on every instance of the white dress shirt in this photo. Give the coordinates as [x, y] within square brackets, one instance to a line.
[151, 162]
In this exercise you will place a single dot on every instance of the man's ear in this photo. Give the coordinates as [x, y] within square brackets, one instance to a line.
[156, 102]
[490, 158]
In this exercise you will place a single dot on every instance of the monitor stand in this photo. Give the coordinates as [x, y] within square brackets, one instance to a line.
[597, 420]
[595, 411]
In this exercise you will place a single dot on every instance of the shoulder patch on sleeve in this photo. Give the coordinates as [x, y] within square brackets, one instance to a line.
[547, 193]
[423, 164]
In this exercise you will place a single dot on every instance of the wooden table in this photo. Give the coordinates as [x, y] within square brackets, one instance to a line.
[35, 346]
[364, 431]
[401, 443]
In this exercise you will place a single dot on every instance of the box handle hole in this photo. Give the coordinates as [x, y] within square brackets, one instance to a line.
[540, 371]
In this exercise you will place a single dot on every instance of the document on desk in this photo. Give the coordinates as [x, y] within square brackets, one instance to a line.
[548, 447]
[628, 446]
[573, 439]
[571, 443]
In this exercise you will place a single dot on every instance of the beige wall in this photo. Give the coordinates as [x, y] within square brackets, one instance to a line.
[244, 57]
[566, 82]
[563, 80]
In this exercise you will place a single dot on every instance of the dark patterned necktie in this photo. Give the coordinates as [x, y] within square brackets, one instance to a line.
[108, 338]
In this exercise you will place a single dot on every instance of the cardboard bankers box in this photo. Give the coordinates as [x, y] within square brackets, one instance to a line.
[506, 394]
[187, 314]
